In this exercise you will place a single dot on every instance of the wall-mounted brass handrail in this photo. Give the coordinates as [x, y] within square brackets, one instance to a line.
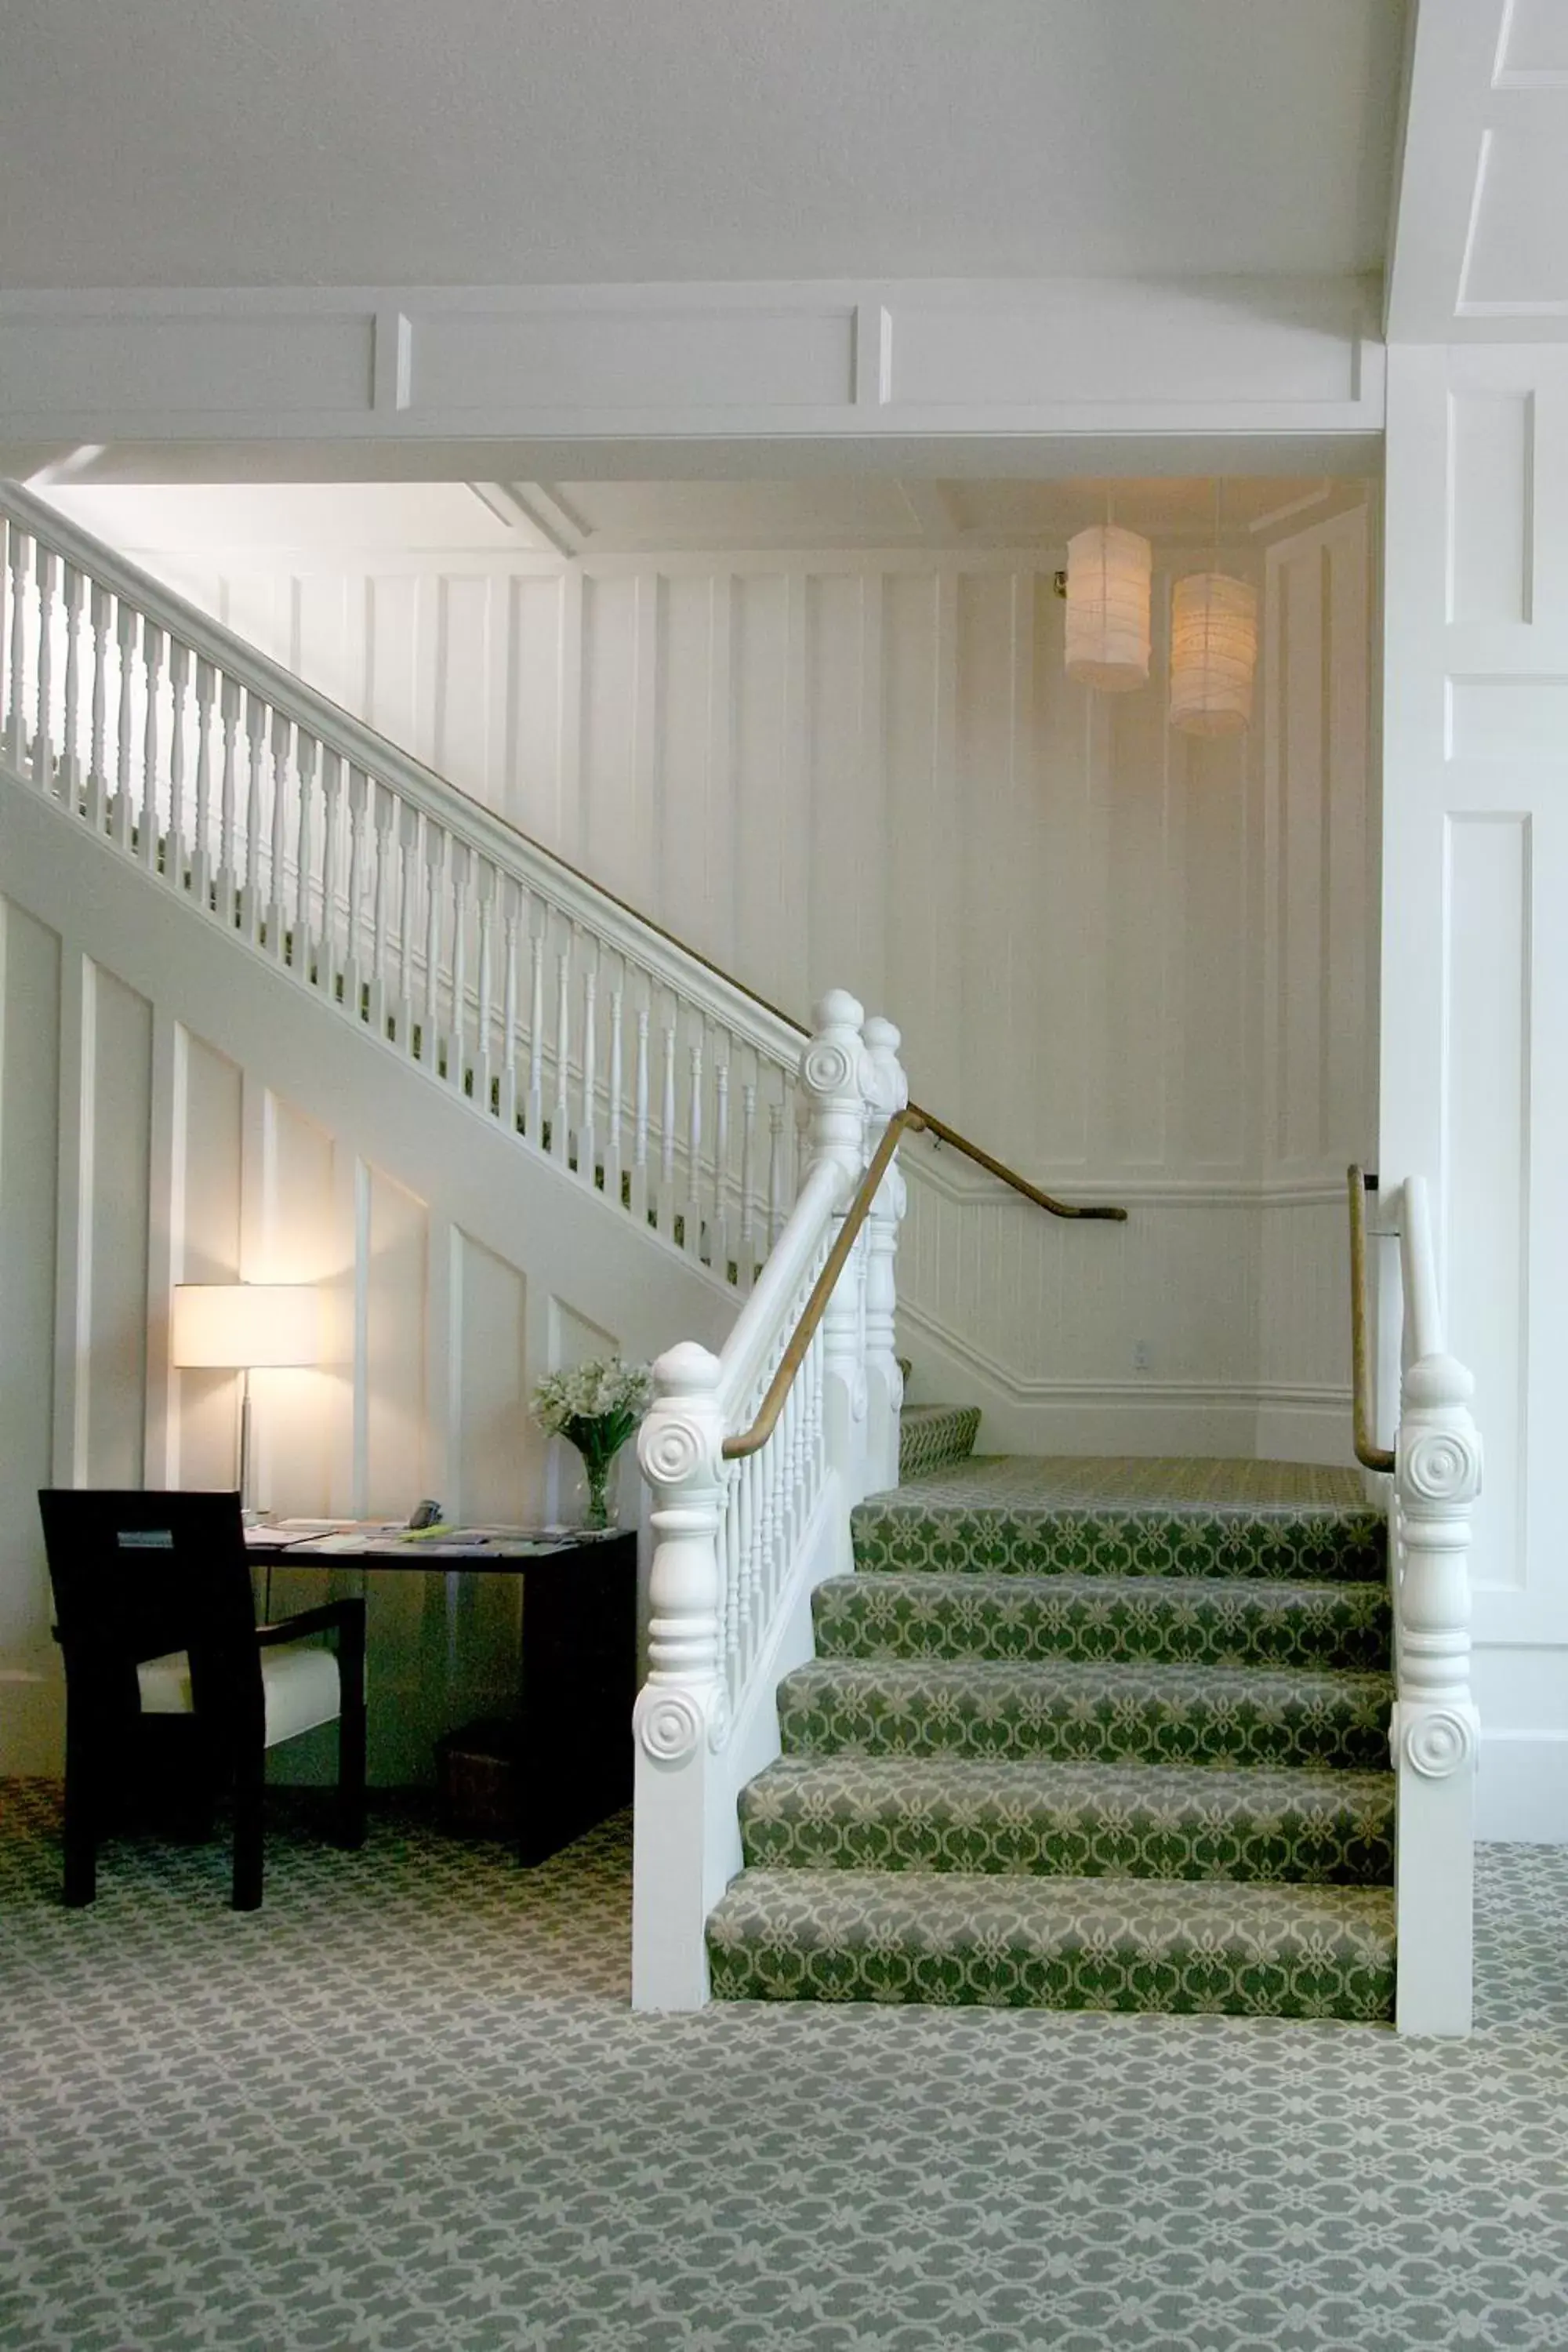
[1372, 1456]
[945, 1134]
[911, 1121]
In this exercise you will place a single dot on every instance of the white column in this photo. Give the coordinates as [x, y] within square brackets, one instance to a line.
[886, 1092]
[681, 1714]
[1435, 1731]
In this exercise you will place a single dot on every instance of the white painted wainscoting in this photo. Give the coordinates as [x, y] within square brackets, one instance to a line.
[172, 1110]
[1475, 980]
[1136, 965]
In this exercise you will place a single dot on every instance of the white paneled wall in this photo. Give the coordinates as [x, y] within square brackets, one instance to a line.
[170, 1112]
[1475, 978]
[1135, 964]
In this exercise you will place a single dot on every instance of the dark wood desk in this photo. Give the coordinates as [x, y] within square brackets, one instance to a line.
[578, 1677]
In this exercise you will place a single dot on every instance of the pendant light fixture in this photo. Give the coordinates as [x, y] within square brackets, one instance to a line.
[1108, 607]
[1213, 648]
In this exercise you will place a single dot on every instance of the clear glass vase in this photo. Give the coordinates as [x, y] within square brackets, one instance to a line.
[601, 1511]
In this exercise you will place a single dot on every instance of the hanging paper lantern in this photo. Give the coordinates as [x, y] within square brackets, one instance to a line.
[1108, 608]
[1214, 649]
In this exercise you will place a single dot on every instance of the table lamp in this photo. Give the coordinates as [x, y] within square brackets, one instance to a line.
[243, 1327]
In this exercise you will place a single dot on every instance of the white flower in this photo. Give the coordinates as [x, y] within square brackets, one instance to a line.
[603, 1390]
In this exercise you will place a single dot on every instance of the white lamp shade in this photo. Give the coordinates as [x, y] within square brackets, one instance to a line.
[244, 1325]
[1214, 650]
[1108, 608]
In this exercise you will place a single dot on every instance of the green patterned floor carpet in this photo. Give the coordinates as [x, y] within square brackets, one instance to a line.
[408, 2107]
[1085, 1734]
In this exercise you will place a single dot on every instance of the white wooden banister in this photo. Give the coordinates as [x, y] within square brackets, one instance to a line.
[505, 976]
[1435, 1732]
[741, 1543]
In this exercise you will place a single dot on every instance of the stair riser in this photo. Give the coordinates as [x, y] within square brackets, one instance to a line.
[1179, 1987]
[930, 1441]
[905, 1536]
[1063, 1729]
[1333, 1853]
[873, 1616]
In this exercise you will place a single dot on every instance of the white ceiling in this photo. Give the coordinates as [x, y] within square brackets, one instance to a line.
[612, 518]
[234, 142]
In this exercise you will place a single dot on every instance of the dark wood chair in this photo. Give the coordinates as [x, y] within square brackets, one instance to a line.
[156, 1616]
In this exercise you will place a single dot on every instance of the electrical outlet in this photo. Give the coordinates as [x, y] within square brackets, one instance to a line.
[1140, 1355]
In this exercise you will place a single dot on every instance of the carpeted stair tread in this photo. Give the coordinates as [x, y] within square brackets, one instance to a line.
[1081, 1821]
[1112, 1515]
[1063, 1943]
[1085, 1713]
[932, 1436]
[1243, 1620]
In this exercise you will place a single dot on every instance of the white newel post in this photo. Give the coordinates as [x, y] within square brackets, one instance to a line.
[833, 1084]
[682, 1712]
[887, 1093]
[1436, 1730]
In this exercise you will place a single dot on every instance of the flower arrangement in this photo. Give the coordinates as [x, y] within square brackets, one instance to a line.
[595, 1407]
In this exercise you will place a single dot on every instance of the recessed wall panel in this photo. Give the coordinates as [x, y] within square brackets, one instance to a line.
[1485, 1131]
[1490, 437]
[207, 1249]
[493, 1386]
[29, 1099]
[120, 1091]
[1509, 719]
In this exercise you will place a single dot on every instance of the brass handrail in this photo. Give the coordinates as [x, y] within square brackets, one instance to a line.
[752, 1441]
[1372, 1456]
[945, 1134]
[909, 1121]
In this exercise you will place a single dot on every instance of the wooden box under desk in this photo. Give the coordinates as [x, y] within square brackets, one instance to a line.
[577, 1682]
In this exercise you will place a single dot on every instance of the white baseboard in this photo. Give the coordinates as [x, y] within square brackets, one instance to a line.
[1522, 1788]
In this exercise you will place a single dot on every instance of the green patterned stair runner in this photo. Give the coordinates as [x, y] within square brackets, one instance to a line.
[1081, 1821]
[1076, 1943]
[930, 1437]
[1084, 1733]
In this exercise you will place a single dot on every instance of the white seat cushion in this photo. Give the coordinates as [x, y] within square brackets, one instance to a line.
[298, 1682]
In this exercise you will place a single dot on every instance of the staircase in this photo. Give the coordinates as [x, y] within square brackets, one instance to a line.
[1082, 1735]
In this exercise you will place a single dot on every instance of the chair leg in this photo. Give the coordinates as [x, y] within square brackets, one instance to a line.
[247, 1824]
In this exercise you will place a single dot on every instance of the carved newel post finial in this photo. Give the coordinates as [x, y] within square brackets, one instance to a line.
[886, 1091]
[1438, 1473]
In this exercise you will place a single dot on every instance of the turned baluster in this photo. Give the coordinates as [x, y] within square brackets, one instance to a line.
[175, 854]
[43, 773]
[667, 1134]
[561, 1118]
[228, 805]
[16, 710]
[719, 1220]
[305, 775]
[434, 877]
[535, 1126]
[329, 962]
[588, 1158]
[776, 1171]
[200, 854]
[147, 839]
[408, 876]
[613, 1139]
[70, 752]
[746, 1247]
[255, 718]
[97, 776]
[639, 1203]
[487, 881]
[458, 1047]
[278, 843]
[125, 638]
